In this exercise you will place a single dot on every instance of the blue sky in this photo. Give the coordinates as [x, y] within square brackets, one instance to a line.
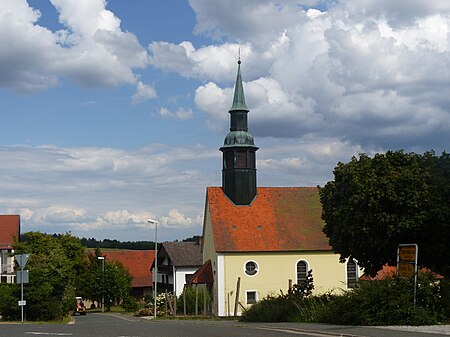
[113, 112]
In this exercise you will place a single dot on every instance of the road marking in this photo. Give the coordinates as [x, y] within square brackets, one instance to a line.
[48, 333]
[129, 319]
[306, 332]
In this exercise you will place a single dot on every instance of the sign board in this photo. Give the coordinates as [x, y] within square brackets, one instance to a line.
[405, 270]
[407, 260]
[22, 259]
[407, 253]
[22, 303]
[22, 276]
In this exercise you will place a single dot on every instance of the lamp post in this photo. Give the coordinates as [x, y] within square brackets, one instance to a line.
[155, 276]
[103, 281]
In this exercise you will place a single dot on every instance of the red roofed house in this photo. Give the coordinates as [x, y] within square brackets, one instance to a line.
[263, 236]
[9, 231]
[138, 263]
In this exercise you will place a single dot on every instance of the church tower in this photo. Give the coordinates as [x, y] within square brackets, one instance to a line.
[239, 152]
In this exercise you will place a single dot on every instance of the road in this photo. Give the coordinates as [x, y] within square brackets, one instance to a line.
[114, 325]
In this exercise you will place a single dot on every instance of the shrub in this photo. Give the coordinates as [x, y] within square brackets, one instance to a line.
[9, 310]
[271, 309]
[387, 302]
[383, 302]
[189, 293]
[129, 304]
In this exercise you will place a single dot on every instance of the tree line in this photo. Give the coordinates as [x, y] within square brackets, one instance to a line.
[112, 244]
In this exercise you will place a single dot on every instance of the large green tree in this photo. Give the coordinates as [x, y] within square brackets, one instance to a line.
[56, 267]
[374, 204]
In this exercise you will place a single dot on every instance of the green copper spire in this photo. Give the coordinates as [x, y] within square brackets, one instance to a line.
[239, 99]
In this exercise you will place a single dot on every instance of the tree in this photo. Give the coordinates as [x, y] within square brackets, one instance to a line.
[374, 204]
[113, 284]
[54, 269]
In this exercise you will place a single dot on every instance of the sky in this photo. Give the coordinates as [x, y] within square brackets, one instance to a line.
[113, 112]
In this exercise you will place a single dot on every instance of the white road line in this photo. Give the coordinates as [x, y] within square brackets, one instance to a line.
[303, 332]
[48, 333]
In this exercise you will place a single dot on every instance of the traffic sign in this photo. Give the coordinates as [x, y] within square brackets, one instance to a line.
[22, 303]
[405, 269]
[22, 259]
[407, 263]
[407, 260]
[22, 276]
[407, 253]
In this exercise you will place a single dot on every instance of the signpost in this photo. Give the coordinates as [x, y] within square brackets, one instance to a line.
[21, 278]
[407, 263]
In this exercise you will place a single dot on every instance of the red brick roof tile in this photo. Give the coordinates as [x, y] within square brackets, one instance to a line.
[279, 219]
[9, 230]
[137, 262]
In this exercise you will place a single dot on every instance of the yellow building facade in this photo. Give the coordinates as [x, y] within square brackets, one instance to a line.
[275, 269]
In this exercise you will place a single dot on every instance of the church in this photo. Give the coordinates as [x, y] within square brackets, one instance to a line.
[257, 241]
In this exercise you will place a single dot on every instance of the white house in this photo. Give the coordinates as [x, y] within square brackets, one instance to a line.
[176, 262]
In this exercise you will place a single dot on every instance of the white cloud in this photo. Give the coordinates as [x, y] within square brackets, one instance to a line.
[358, 71]
[143, 93]
[180, 113]
[95, 189]
[177, 219]
[91, 49]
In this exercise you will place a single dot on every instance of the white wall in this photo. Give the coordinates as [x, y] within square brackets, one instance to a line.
[179, 275]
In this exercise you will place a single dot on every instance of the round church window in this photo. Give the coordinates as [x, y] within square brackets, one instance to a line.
[251, 268]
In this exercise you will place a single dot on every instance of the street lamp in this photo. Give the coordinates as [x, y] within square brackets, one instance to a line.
[155, 276]
[103, 281]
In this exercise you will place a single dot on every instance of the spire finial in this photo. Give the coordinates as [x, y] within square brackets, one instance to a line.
[239, 99]
[239, 55]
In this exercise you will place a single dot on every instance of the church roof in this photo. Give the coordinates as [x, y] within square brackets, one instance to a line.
[9, 230]
[279, 219]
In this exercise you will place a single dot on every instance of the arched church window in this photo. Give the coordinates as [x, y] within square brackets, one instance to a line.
[302, 271]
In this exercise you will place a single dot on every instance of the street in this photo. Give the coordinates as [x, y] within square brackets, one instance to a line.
[116, 325]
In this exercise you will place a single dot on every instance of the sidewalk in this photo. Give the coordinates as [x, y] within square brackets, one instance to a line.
[435, 329]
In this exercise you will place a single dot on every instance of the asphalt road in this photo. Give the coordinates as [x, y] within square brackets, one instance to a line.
[113, 325]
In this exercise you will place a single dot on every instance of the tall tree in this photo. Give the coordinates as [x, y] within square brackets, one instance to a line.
[111, 284]
[55, 266]
[374, 204]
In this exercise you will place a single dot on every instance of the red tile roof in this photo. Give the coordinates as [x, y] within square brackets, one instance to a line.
[137, 262]
[203, 275]
[9, 230]
[279, 219]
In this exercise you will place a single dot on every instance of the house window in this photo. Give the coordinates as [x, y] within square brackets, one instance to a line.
[352, 274]
[251, 297]
[251, 268]
[302, 271]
